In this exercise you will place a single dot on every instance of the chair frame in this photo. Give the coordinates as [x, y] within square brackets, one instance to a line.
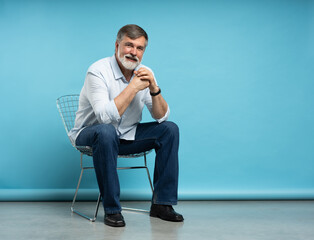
[68, 122]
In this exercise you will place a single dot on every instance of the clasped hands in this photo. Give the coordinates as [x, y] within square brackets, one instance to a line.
[144, 78]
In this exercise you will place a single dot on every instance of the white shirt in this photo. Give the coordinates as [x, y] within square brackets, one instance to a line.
[104, 81]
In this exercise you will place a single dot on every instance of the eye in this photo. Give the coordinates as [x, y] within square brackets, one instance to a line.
[128, 44]
[140, 48]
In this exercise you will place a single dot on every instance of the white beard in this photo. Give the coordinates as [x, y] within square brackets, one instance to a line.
[126, 63]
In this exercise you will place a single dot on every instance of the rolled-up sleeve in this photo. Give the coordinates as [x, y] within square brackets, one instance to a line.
[97, 93]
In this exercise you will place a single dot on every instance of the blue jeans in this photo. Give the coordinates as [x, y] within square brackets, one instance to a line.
[163, 137]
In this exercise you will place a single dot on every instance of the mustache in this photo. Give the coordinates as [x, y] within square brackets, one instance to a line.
[135, 58]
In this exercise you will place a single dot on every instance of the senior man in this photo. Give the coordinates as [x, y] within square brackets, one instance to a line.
[108, 119]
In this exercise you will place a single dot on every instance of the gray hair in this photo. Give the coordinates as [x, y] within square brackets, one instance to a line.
[132, 31]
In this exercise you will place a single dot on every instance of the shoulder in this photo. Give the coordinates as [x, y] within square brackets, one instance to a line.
[102, 69]
[100, 65]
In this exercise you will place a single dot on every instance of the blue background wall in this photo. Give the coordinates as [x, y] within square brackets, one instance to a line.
[238, 76]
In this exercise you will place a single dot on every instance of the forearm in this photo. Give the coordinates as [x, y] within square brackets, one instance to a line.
[159, 107]
[124, 99]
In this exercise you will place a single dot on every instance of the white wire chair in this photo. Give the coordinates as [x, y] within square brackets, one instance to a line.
[67, 106]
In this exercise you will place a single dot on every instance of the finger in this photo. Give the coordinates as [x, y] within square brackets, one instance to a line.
[144, 79]
[142, 71]
[142, 75]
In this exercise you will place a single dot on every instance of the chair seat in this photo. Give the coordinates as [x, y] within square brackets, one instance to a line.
[89, 151]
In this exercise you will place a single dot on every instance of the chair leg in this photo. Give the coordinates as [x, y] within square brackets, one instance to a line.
[148, 174]
[76, 191]
[97, 207]
[92, 219]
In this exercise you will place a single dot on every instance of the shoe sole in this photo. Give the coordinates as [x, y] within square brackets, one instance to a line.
[157, 216]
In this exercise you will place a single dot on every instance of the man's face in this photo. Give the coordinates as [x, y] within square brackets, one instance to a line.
[130, 52]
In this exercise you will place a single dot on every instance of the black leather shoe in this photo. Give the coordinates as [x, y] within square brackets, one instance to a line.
[165, 212]
[114, 220]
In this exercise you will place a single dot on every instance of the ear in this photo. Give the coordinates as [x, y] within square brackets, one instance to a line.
[116, 46]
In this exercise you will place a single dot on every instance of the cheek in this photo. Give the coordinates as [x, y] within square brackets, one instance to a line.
[123, 51]
[140, 56]
[126, 50]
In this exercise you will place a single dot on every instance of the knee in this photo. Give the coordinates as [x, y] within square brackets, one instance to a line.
[106, 133]
[171, 128]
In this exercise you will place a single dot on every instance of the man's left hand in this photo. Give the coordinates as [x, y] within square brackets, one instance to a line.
[146, 75]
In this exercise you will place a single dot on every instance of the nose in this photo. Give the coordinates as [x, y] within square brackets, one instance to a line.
[133, 51]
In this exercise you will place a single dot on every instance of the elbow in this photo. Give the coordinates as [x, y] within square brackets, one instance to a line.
[105, 116]
[163, 117]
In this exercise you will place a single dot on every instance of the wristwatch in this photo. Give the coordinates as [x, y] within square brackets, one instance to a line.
[156, 93]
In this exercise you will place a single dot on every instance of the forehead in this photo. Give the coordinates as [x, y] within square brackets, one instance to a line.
[138, 41]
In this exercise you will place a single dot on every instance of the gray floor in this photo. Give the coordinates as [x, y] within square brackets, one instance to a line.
[203, 220]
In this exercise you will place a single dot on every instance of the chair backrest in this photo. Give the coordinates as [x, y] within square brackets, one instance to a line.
[67, 106]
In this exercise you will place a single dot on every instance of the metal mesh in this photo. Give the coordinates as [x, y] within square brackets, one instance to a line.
[85, 150]
[67, 106]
